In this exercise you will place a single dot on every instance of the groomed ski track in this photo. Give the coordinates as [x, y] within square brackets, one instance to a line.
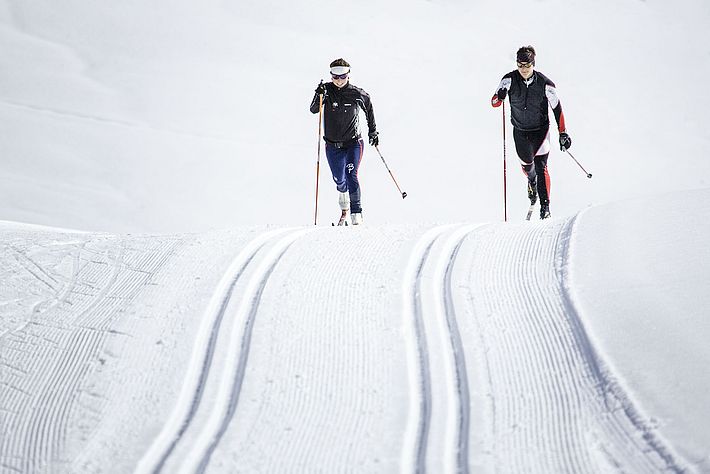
[452, 348]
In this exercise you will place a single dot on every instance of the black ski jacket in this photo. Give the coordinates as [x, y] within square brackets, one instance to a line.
[529, 100]
[340, 110]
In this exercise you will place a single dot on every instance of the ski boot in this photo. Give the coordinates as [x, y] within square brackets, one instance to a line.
[544, 211]
[356, 218]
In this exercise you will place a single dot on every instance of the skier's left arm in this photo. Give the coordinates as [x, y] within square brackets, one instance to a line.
[556, 105]
[366, 105]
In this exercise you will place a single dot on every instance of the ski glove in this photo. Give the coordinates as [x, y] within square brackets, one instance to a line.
[374, 139]
[499, 97]
[565, 141]
[320, 89]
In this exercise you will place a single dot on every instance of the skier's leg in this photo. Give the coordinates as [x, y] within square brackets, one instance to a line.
[526, 152]
[354, 157]
[336, 161]
[543, 185]
[529, 172]
[540, 140]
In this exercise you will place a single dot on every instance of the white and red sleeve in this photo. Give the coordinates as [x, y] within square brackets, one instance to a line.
[556, 106]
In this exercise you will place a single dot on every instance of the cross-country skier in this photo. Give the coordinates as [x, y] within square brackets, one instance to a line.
[343, 142]
[530, 92]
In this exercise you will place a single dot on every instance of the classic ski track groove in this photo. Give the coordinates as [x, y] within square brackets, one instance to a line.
[552, 412]
[309, 394]
[232, 378]
[39, 440]
[458, 413]
[415, 443]
[204, 348]
[438, 331]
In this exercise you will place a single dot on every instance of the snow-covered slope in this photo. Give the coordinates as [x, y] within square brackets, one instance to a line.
[644, 296]
[498, 347]
[193, 115]
[148, 342]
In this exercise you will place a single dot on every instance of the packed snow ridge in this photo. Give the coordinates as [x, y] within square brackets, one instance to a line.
[519, 347]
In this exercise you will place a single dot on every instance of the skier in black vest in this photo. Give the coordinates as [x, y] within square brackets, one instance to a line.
[343, 143]
[530, 93]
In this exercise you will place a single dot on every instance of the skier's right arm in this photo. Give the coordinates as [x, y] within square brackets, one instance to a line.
[315, 103]
[502, 92]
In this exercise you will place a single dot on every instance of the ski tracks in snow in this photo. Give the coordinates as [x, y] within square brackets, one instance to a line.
[437, 435]
[552, 408]
[195, 454]
[62, 337]
[543, 400]
[500, 374]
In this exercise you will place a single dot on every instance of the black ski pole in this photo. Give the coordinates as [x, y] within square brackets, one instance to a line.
[404, 194]
[589, 175]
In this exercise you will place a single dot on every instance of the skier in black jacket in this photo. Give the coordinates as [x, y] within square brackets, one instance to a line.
[530, 93]
[343, 143]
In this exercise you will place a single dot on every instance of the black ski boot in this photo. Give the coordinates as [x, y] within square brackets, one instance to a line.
[544, 211]
[532, 193]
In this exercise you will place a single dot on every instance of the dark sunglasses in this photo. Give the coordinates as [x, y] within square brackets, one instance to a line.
[525, 65]
[339, 76]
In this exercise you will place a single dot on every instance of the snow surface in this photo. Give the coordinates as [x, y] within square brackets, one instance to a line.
[197, 322]
[527, 347]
